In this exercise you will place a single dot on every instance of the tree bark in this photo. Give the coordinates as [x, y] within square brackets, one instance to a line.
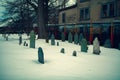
[41, 20]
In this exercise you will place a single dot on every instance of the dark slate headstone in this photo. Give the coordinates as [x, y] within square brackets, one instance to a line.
[96, 47]
[32, 39]
[52, 40]
[20, 39]
[57, 43]
[63, 36]
[70, 37]
[76, 38]
[47, 40]
[80, 38]
[40, 55]
[84, 47]
[74, 53]
[62, 50]
[24, 44]
[108, 43]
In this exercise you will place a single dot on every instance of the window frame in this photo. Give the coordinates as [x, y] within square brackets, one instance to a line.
[81, 1]
[84, 14]
[108, 10]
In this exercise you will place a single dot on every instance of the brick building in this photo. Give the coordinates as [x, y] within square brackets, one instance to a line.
[94, 18]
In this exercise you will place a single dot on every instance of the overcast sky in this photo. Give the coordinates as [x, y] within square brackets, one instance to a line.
[2, 10]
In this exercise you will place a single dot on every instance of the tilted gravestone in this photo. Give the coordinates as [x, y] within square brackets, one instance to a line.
[63, 36]
[74, 53]
[52, 40]
[108, 43]
[96, 46]
[76, 38]
[20, 39]
[62, 50]
[80, 38]
[40, 55]
[84, 46]
[32, 39]
[70, 37]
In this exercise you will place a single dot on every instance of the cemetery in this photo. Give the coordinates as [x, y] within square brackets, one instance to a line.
[59, 40]
[64, 60]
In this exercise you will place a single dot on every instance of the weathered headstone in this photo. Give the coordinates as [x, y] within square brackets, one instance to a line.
[74, 53]
[20, 39]
[40, 55]
[62, 50]
[32, 39]
[80, 38]
[108, 43]
[63, 36]
[70, 37]
[96, 46]
[52, 40]
[84, 46]
[57, 43]
[76, 38]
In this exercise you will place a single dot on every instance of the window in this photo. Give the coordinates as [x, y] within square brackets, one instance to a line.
[108, 10]
[63, 17]
[83, 0]
[84, 14]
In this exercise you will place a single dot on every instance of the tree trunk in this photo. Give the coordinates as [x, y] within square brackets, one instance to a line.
[41, 20]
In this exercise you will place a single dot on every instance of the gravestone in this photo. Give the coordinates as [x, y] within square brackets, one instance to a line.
[6, 37]
[20, 39]
[63, 36]
[32, 39]
[40, 55]
[62, 50]
[24, 44]
[108, 43]
[76, 38]
[70, 37]
[57, 43]
[84, 47]
[52, 40]
[80, 38]
[74, 53]
[47, 40]
[96, 46]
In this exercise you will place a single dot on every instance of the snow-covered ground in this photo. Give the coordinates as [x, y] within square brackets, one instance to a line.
[18, 62]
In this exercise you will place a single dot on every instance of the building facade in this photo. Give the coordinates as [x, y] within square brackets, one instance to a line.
[94, 18]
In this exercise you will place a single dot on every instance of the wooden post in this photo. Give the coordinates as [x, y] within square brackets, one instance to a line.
[91, 32]
[64, 30]
[112, 34]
